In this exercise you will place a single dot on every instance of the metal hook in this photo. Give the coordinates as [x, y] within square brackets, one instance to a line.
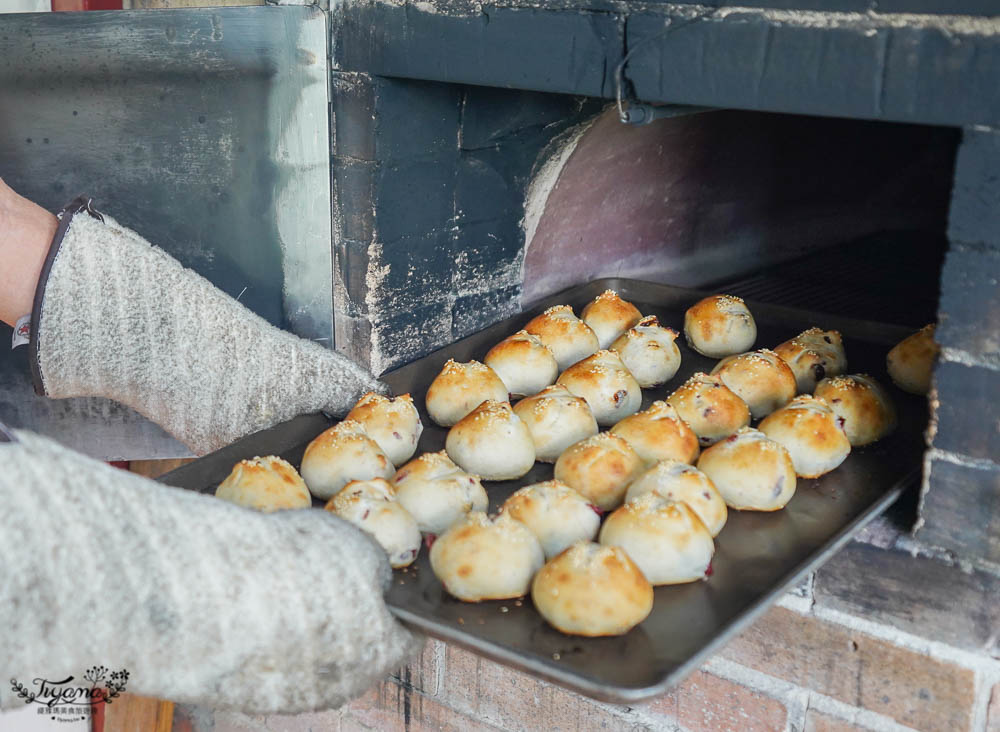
[642, 114]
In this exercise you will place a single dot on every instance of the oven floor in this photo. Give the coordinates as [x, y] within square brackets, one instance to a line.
[889, 277]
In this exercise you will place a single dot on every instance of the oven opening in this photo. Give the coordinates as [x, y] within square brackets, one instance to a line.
[836, 216]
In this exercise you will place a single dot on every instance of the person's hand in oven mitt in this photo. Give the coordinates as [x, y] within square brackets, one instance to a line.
[114, 316]
[201, 600]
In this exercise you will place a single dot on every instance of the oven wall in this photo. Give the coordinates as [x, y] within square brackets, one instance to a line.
[960, 494]
[455, 206]
[429, 183]
[703, 198]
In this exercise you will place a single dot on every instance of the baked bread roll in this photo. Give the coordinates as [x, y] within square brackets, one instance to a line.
[265, 484]
[658, 433]
[911, 361]
[480, 558]
[556, 514]
[371, 506]
[523, 363]
[812, 434]
[649, 352]
[813, 355]
[592, 590]
[679, 481]
[394, 424]
[436, 492]
[599, 469]
[609, 316]
[760, 378]
[556, 419]
[610, 390]
[492, 442]
[710, 409]
[341, 454]
[719, 325]
[568, 337]
[460, 388]
[665, 539]
[865, 407]
[751, 472]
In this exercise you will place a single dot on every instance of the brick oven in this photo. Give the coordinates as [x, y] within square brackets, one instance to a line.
[841, 156]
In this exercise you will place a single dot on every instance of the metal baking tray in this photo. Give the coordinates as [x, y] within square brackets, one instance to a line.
[758, 555]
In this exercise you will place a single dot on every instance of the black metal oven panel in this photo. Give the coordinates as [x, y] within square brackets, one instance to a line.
[758, 555]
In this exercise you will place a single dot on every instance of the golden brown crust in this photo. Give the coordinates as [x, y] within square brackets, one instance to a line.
[265, 484]
[760, 378]
[492, 442]
[681, 482]
[659, 433]
[556, 419]
[813, 355]
[649, 351]
[709, 407]
[480, 558]
[523, 363]
[592, 591]
[555, 513]
[377, 489]
[911, 361]
[437, 492]
[665, 539]
[865, 407]
[460, 388]
[340, 454]
[809, 430]
[599, 468]
[609, 388]
[608, 315]
[371, 506]
[719, 325]
[568, 337]
[393, 423]
[750, 471]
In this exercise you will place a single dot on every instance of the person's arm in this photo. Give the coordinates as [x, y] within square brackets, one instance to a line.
[26, 230]
[199, 600]
[114, 316]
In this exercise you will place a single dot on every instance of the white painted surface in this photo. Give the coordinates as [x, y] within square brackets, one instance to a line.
[25, 6]
[27, 719]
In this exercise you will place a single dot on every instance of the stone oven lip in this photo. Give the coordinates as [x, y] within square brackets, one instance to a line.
[881, 56]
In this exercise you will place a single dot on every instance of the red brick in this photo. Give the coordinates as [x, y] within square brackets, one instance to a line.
[858, 669]
[993, 711]
[706, 702]
[328, 721]
[460, 683]
[389, 707]
[819, 722]
[516, 701]
[223, 721]
[422, 672]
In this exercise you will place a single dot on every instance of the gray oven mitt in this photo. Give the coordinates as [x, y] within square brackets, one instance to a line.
[201, 601]
[117, 317]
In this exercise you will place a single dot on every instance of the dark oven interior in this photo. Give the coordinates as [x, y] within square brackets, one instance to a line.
[833, 215]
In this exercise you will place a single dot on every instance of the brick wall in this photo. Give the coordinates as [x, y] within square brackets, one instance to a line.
[960, 503]
[884, 637]
[429, 185]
